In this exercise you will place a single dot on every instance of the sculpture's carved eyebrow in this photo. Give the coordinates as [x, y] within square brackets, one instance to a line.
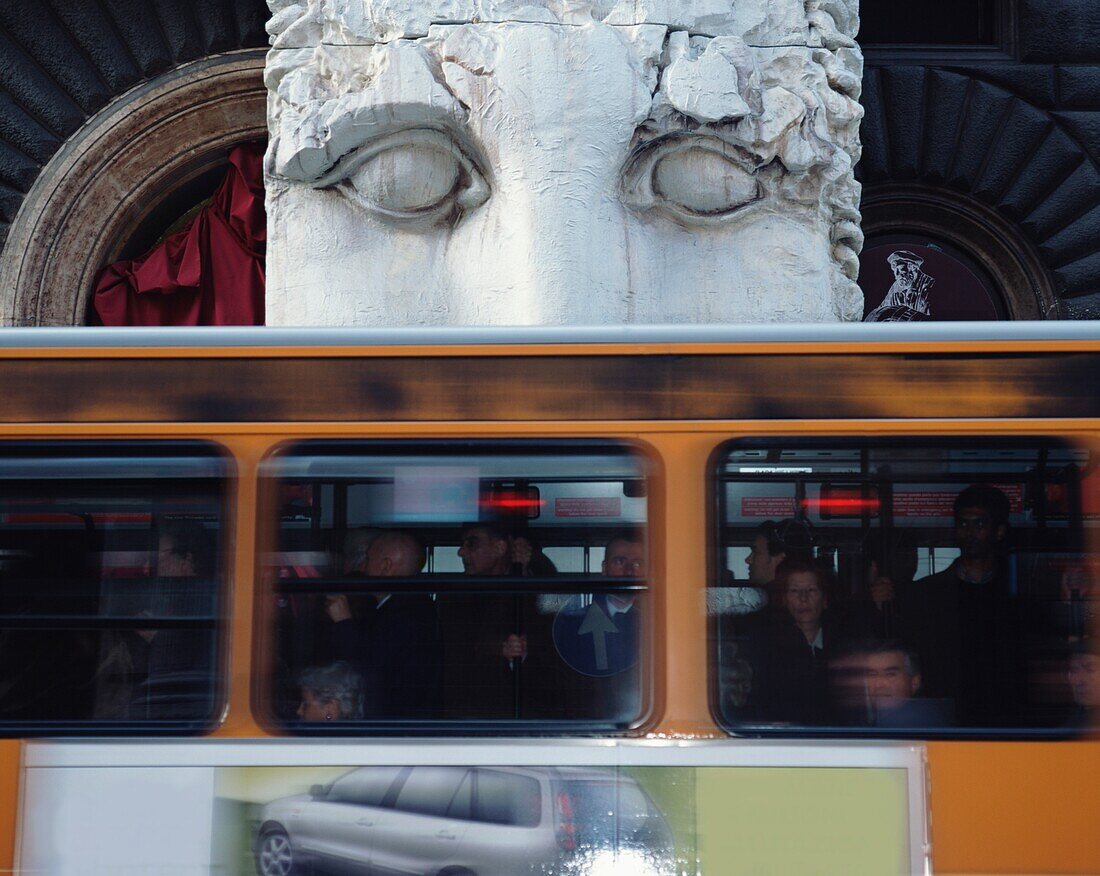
[653, 130]
[329, 110]
[401, 117]
[392, 137]
[347, 135]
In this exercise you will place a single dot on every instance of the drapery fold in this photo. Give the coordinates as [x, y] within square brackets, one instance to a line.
[210, 273]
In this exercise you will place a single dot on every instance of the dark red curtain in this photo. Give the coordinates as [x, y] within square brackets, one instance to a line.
[210, 273]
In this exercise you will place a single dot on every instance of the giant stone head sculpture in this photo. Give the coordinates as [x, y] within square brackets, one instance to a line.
[558, 162]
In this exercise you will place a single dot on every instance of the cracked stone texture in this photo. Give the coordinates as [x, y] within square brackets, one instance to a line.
[816, 23]
[494, 162]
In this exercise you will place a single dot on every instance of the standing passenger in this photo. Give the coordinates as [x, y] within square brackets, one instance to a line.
[800, 647]
[180, 677]
[484, 641]
[598, 643]
[751, 636]
[965, 620]
[394, 643]
[771, 545]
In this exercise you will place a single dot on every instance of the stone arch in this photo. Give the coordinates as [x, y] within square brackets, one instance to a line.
[106, 107]
[1006, 168]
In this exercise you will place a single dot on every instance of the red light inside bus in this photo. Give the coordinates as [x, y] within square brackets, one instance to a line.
[844, 501]
[512, 502]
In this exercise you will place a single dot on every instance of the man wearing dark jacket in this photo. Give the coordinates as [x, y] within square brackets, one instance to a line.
[965, 620]
[395, 645]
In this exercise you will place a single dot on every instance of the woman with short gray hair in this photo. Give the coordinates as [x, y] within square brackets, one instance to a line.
[331, 693]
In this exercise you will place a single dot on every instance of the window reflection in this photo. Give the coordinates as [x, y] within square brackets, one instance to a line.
[110, 598]
[475, 585]
[906, 587]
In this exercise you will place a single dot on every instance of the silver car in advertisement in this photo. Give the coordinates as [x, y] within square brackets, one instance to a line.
[467, 821]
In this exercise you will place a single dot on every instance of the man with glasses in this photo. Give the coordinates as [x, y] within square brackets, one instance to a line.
[624, 556]
[597, 641]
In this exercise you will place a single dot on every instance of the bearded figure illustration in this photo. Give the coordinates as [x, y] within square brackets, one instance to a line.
[907, 300]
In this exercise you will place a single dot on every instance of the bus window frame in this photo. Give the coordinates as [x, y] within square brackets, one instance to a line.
[841, 439]
[227, 500]
[264, 626]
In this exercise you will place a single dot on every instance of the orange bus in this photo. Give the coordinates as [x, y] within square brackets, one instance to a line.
[464, 603]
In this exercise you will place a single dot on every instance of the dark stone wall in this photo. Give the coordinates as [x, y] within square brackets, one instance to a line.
[1020, 134]
[1058, 31]
[62, 60]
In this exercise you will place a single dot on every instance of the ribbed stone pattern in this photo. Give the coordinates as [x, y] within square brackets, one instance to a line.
[62, 60]
[1022, 136]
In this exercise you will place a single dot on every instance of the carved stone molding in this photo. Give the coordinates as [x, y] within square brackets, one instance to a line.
[62, 61]
[997, 244]
[109, 175]
[1013, 169]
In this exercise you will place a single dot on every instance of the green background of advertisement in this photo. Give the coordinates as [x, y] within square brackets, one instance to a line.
[783, 820]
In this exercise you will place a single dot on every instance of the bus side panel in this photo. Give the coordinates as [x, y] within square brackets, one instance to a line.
[495, 808]
[79, 821]
[513, 388]
[9, 798]
[1005, 807]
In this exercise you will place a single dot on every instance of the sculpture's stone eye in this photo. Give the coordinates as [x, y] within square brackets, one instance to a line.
[407, 179]
[698, 179]
[415, 176]
[704, 182]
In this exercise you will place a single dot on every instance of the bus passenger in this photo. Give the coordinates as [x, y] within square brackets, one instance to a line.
[965, 620]
[303, 618]
[394, 640]
[484, 641]
[877, 682]
[771, 545]
[330, 693]
[529, 560]
[1078, 608]
[597, 645]
[735, 685]
[887, 569]
[180, 663]
[1084, 684]
[799, 647]
[340, 609]
[486, 550]
[753, 635]
[356, 544]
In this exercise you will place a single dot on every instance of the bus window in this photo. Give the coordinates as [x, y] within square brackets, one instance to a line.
[465, 587]
[901, 587]
[112, 590]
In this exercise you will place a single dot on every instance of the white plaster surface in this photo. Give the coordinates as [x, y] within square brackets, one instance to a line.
[88, 821]
[490, 162]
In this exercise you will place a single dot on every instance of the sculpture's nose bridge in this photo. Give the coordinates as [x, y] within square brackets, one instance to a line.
[569, 236]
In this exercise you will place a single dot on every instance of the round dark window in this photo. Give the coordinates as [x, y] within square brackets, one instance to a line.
[911, 278]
